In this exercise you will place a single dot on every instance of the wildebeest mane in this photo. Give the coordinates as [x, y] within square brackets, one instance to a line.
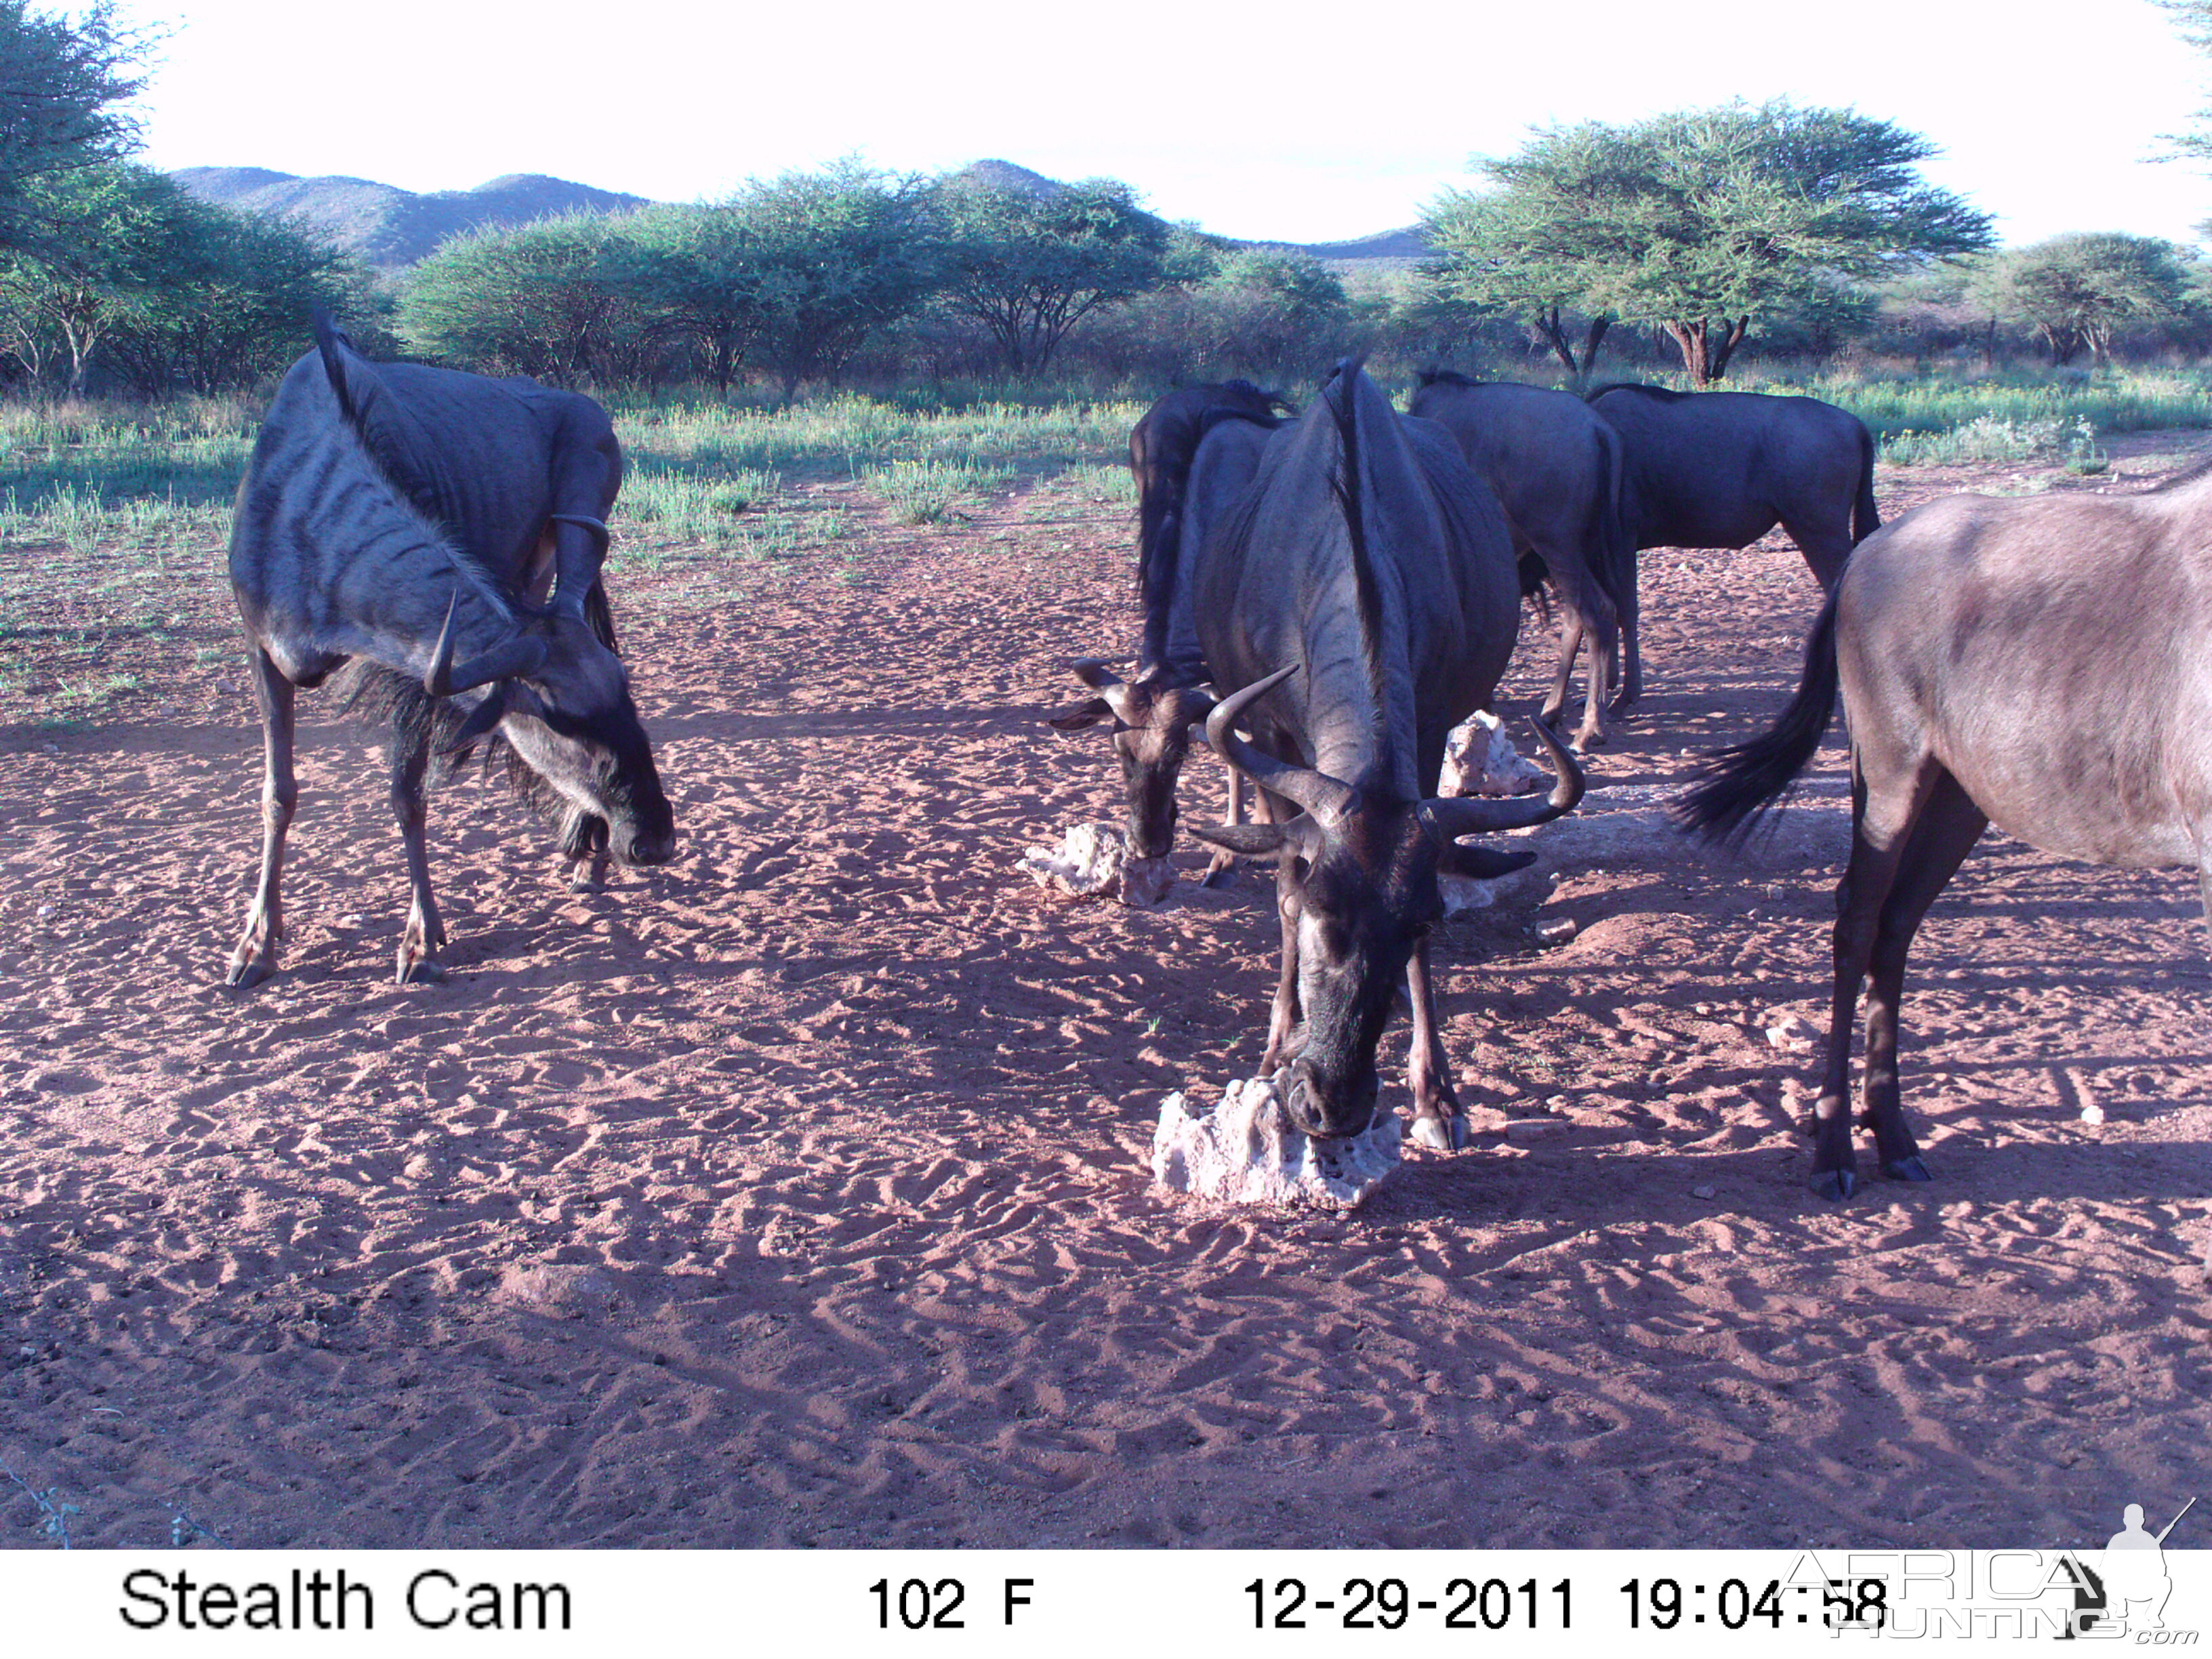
[373, 692]
[389, 438]
[1340, 394]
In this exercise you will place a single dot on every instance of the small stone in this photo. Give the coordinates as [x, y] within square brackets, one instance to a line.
[2093, 1113]
[1534, 1128]
[558, 1287]
[1560, 930]
[1705, 1192]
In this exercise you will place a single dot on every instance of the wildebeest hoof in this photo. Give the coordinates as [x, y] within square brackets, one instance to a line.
[582, 882]
[1441, 1135]
[424, 971]
[245, 976]
[1836, 1185]
[1219, 874]
[1906, 1168]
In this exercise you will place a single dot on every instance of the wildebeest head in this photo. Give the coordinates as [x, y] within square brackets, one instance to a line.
[561, 698]
[1153, 720]
[1358, 887]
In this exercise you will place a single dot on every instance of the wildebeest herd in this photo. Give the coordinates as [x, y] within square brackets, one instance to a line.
[1345, 585]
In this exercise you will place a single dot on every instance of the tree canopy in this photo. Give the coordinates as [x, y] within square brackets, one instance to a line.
[1030, 265]
[2077, 290]
[63, 88]
[1697, 222]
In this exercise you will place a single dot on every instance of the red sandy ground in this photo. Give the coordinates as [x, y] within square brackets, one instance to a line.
[796, 1194]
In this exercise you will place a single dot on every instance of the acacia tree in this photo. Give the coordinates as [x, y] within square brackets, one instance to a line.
[539, 299]
[2076, 290]
[1697, 222]
[698, 271]
[1029, 265]
[62, 84]
[819, 261]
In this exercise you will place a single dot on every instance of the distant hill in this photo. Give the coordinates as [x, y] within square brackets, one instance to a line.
[388, 227]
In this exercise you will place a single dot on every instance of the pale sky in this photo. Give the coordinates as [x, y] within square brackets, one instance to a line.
[1288, 122]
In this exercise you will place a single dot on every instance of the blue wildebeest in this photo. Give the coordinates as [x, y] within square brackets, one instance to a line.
[1194, 453]
[415, 521]
[1359, 602]
[1557, 468]
[2045, 664]
[1721, 469]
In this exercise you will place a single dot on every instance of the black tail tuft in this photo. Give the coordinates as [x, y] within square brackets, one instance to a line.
[1738, 786]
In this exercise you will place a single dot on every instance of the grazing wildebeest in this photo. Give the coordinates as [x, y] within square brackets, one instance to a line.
[405, 516]
[2043, 664]
[1556, 467]
[1360, 601]
[1721, 469]
[1194, 453]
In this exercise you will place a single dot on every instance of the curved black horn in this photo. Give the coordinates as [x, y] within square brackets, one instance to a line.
[1451, 817]
[1319, 794]
[522, 655]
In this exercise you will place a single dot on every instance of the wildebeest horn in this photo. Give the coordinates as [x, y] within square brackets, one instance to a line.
[522, 655]
[1319, 794]
[1451, 817]
[1094, 673]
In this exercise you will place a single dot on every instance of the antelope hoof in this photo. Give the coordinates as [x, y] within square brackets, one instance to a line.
[1443, 1135]
[1835, 1185]
[1218, 873]
[245, 976]
[419, 970]
[1589, 738]
[583, 881]
[1906, 1168]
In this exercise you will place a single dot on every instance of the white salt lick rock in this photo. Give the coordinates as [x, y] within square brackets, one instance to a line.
[1092, 861]
[1247, 1151]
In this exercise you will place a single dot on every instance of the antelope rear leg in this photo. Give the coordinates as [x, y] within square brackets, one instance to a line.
[255, 959]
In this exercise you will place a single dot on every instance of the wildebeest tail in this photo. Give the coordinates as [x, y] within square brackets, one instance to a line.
[1865, 520]
[1738, 786]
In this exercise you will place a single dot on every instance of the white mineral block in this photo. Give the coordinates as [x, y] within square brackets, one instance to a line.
[1479, 759]
[1092, 861]
[1247, 1151]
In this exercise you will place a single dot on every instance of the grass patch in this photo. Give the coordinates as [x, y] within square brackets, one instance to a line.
[929, 492]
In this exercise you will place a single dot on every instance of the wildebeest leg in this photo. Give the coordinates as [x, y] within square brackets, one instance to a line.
[1223, 861]
[418, 945]
[1825, 547]
[1949, 826]
[584, 850]
[1283, 1018]
[1570, 646]
[1438, 1120]
[1882, 816]
[255, 959]
[1631, 659]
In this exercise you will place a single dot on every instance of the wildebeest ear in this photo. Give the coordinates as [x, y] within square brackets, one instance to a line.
[1483, 863]
[1246, 840]
[484, 716]
[1083, 714]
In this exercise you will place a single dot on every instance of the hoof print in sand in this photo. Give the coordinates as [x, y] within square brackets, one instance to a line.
[1247, 1151]
[1092, 861]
